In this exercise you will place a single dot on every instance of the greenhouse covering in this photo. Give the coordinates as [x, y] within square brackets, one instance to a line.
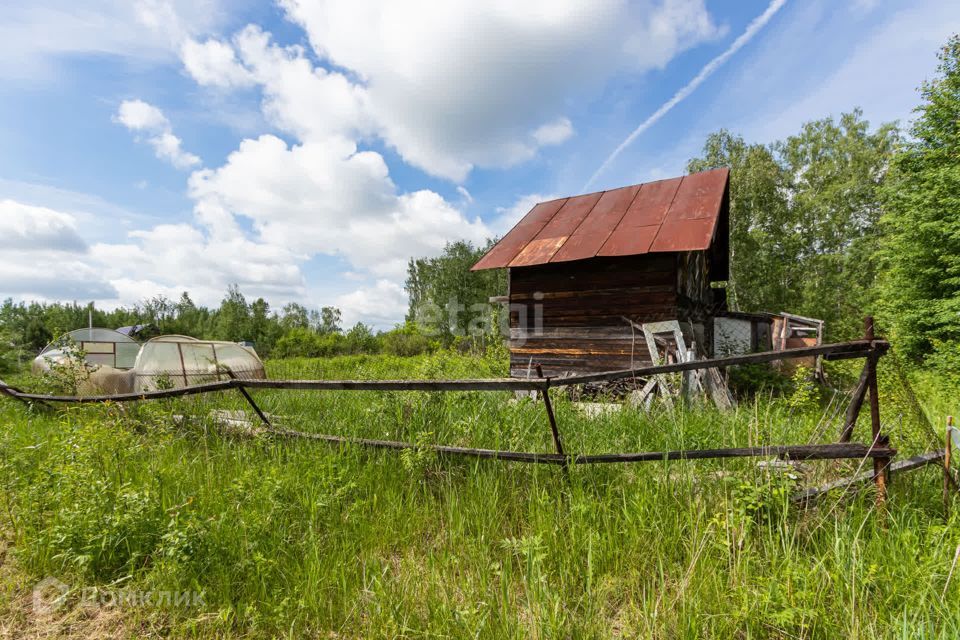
[170, 362]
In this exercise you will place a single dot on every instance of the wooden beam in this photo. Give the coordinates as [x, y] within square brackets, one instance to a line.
[131, 397]
[553, 420]
[838, 351]
[796, 452]
[492, 384]
[481, 384]
[909, 464]
[881, 466]
[856, 402]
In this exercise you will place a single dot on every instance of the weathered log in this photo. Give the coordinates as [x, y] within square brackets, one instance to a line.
[922, 460]
[854, 349]
[795, 452]
[856, 402]
[489, 384]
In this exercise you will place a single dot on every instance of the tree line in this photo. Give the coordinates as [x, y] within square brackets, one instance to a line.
[293, 331]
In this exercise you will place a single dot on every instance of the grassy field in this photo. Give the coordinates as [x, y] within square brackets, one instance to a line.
[232, 534]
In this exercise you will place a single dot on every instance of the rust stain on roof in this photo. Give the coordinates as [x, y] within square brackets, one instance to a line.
[538, 251]
[514, 242]
[586, 241]
[679, 214]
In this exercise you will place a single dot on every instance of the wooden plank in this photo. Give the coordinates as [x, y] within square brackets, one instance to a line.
[909, 464]
[132, 397]
[854, 349]
[491, 384]
[576, 295]
[797, 452]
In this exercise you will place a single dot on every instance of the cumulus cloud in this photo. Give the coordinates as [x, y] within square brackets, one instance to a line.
[172, 257]
[382, 304]
[330, 198]
[140, 116]
[214, 63]
[44, 256]
[35, 35]
[26, 227]
[552, 133]
[449, 86]
[461, 84]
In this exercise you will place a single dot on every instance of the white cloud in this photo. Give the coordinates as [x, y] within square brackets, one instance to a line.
[383, 304]
[32, 236]
[26, 227]
[214, 63]
[34, 35]
[302, 99]
[329, 198]
[553, 133]
[137, 115]
[461, 84]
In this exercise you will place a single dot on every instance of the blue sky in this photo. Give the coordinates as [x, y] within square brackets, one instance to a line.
[305, 149]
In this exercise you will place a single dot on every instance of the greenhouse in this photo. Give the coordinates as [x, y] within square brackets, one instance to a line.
[168, 362]
[101, 348]
[108, 358]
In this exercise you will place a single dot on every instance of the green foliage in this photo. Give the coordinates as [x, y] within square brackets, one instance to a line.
[67, 375]
[805, 390]
[447, 299]
[921, 246]
[298, 539]
[748, 380]
[945, 360]
[11, 353]
[804, 218]
[407, 340]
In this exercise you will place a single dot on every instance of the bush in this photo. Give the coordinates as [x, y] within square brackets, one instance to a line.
[406, 341]
[747, 380]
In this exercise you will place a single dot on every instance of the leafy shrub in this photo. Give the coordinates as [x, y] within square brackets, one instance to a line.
[805, 392]
[406, 340]
[945, 360]
[747, 380]
[69, 373]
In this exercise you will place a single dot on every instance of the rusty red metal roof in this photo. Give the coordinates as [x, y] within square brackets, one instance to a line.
[679, 214]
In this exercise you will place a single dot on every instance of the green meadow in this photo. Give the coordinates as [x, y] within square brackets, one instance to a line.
[163, 522]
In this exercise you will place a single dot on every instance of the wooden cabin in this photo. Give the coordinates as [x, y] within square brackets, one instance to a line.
[585, 271]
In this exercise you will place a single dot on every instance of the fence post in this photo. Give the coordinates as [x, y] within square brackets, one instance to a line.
[553, 420]
[881, 466]
[947, 474]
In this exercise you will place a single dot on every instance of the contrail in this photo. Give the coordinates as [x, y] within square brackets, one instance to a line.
[758, 23]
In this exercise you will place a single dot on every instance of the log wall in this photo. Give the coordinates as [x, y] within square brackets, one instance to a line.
[580, 307]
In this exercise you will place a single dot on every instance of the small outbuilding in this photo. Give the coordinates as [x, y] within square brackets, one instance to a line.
[585, 271]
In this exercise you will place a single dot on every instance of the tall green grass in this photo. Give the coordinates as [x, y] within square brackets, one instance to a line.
[301, 539]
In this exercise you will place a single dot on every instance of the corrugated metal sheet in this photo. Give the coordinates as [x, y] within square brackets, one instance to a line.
[679, 214]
